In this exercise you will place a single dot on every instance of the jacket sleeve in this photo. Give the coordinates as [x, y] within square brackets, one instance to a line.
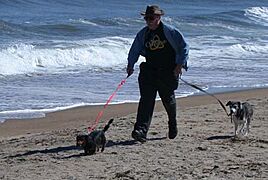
[136, 49]
[183, 49]
[179, 44]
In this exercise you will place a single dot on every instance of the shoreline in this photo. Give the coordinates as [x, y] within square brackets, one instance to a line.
[42, 113]
[86, 115]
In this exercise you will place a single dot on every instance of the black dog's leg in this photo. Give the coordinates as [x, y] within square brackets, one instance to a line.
[103, 144]
[86, 151]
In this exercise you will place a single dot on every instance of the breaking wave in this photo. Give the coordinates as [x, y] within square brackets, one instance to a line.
[258, 14]
[94, 54]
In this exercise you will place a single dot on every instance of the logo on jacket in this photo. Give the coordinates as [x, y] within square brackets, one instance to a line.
[155, 43]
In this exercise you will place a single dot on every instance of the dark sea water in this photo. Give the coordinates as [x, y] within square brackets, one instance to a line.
[63, 53]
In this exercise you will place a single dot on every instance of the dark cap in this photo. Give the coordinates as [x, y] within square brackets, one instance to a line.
[153, 10]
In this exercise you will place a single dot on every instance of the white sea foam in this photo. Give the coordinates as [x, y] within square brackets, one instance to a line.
[258, 14]
[206, 48]
[95, 53]
[85, 21]
[248, 49]
[34, 113]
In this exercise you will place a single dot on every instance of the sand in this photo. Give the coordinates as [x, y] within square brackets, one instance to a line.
[204, 148]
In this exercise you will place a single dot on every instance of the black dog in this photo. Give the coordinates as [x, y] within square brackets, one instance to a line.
[241, 114]
[94, 141]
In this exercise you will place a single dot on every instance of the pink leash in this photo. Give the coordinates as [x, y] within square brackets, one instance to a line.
[90, 129]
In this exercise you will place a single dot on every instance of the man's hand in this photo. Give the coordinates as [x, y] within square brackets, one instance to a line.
[130, 71]
[178, 71]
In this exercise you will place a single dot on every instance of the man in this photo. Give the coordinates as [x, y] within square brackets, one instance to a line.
[166, 53]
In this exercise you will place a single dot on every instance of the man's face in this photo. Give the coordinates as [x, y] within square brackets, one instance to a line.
[152, 21]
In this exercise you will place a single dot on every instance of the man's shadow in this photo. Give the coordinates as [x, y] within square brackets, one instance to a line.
[130, 142]
[220, 137]
[46, 151]
[73, 147]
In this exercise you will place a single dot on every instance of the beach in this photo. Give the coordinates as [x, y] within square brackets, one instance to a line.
[204, 148]
[60, 61]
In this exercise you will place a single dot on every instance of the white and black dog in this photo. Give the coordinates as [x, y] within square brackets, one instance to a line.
[241, 114]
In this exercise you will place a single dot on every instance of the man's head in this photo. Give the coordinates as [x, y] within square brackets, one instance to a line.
[152, 16]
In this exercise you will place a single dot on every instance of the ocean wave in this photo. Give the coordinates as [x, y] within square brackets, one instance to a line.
[58, 27]
[258, 15]
[94, 54]
[9, 27]
[229, 21]
[212, 23]
[31, 30]
[230, 43]
[114, 21]
[224, 51]
[39, 3]
[248, 50]
[86, 21]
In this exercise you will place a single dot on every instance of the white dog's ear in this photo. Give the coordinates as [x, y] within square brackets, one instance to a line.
[229, 103]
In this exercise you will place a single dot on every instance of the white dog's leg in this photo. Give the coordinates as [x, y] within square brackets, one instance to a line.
[236, 129]
[241, 130]
[244, 128]
[248, 122]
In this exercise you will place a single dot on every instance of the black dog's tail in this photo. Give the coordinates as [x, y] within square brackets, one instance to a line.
[108, 125]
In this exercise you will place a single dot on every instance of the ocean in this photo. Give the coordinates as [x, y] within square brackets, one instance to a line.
[59, 54]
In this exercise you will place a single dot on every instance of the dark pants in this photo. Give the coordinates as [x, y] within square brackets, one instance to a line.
[152, 81]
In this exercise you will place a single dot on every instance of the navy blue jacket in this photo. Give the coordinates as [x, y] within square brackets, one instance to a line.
[174, 37]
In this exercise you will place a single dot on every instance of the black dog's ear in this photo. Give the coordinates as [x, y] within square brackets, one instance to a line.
[229, 103]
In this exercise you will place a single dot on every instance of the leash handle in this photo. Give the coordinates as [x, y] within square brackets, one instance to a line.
[91, 128]
[196, 87]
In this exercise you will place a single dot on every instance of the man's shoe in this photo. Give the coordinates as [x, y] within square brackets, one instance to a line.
[172, 133]
[138, 136]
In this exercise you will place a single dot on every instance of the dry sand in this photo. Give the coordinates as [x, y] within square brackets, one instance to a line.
[204, 149]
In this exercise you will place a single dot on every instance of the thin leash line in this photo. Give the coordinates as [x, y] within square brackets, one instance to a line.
[112, 96]
[196, 87]
[97, 120]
